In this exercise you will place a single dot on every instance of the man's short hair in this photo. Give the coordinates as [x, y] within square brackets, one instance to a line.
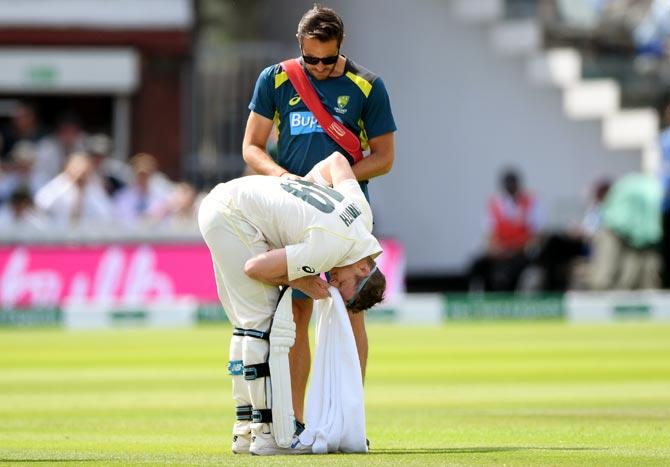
[371, 293]
[321, 23]
[510, 181]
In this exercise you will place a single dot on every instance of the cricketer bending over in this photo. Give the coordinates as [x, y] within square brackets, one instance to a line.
[264, 232]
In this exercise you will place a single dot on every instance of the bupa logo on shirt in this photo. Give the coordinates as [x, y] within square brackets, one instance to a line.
[303, 123]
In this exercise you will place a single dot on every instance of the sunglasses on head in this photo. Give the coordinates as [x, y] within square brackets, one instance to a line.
[361, 285]
[325, 60]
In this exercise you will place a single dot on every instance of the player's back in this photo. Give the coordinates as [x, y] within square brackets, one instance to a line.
[284, 209]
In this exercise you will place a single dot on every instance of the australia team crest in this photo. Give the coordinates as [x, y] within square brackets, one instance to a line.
[342, 102]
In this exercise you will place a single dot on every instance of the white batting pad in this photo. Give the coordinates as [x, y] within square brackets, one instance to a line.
[282, 338]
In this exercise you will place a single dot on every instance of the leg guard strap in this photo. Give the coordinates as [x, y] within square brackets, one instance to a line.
[251, 333]
[299, 427]
[258, 370]
[261, 415]
[243, 412]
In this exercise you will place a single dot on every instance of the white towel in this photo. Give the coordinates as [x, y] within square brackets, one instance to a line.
[335, 415]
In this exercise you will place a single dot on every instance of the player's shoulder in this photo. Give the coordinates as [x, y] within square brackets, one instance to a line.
[349, 186]
[274, 75]
[360, 71]
[274, 70]
[365, 79]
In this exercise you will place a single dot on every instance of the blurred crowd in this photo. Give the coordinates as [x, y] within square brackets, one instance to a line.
[618, 244]
[622, 242]
[643, 25]
[67, 179]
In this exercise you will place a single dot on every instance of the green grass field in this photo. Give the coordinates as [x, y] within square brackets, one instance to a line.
[459, 394]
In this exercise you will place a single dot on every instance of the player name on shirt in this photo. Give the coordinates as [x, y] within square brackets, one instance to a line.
[350, 214]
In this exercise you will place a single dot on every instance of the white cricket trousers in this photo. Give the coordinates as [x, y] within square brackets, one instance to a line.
[232, 240]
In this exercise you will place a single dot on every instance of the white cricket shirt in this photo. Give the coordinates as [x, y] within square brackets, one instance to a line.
[320, 227]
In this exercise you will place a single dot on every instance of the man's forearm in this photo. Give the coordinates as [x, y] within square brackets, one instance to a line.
[260, 161]
[283, 280]
[380, 160]
[375, 165]
[312, 286]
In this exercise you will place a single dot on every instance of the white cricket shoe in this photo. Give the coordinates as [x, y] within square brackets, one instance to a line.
[264, 444]
[241, 443]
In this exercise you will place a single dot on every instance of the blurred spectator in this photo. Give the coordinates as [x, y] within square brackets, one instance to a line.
[593, 217]
[24, 127]
[180, 209]
[580, 13]
[19, 171]
[623, 15]
[599, 24]
[513, 222]
[71, 198]
[113, 174]
[665, 181]
[20, 213]
[146, 193]
[651, 34]
[561, 255]
[53, 149]
[625, 252]
[665, 144]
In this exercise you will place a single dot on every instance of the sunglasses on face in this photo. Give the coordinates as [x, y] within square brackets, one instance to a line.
[325, 60]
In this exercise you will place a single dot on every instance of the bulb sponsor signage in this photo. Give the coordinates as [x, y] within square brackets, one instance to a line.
[49, 276]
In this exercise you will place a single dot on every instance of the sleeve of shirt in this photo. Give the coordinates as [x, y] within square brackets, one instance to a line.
[262, 102]
[377, 115]
[352, 189]
[320, 252]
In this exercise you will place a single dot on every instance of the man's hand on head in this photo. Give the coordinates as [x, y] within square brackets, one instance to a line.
[313, 286]
[290, 176]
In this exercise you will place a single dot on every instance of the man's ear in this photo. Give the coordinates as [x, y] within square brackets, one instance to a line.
[363, 267]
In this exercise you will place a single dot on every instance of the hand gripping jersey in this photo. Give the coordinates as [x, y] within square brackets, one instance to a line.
[358, 99]
[320, 227]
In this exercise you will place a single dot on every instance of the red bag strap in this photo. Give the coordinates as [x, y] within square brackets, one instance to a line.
[336, 130]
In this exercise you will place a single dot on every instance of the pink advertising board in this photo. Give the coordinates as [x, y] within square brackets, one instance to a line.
[50, 275]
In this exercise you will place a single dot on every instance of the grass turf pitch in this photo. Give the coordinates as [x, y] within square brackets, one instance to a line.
[462, 394]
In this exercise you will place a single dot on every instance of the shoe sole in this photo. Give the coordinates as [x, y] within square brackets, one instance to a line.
[280, 452]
